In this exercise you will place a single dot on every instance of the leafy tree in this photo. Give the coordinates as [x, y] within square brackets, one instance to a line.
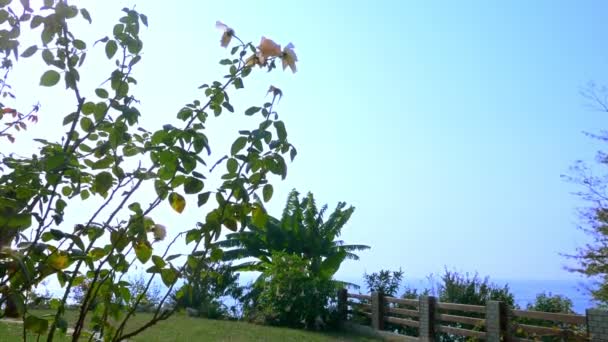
[592, 179]
[300, 231]
[384, 281]
[147, 298]
[207, 283]
[300, 237]
[106, 156]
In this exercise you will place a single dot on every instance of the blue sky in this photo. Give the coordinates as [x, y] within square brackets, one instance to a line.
[446, 124]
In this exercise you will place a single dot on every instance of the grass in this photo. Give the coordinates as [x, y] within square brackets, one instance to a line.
[183, 328]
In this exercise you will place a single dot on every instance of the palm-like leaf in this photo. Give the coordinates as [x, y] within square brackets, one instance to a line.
[301, 231]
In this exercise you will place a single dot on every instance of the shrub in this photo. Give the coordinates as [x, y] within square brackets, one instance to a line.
[289, 295]
[384, 281]
[206, 285]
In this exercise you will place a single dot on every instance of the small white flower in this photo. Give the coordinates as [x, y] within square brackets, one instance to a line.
[289, 58]
[226, 35]
[160, 232]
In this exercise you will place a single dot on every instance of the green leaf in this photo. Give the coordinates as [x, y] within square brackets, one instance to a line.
[171, 257]
[57, 234]
[228, 106]
[79, 44]
[144, 19]
[193, 235]
[267, 192]
[332, 263]
[47, 56]
[86, 124]
[203, 198]
[177, 202]
[238, 145]
[66, 191]
[103, 182]
[293, 153]
[88, 108]
[69, 118]
[36, 325]
[143, 251]
[238, 83]
[232, 165]
[49, 78]
[281, 132]
[158, 261]
[252, 110]
[118, 29]
[111, 48]
[169, 276]
[100, 111]
[47, 36]
[259, 216]
[58, 260]
[125, 293]
[36, 21]
[29, 51]
[231, 224]
[102, 93]
[216, 254]
[85, 14]
[193, 185]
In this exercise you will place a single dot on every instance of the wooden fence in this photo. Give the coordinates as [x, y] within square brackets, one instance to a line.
[425, 319]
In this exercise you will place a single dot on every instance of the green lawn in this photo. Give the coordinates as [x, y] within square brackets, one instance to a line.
[183, 328]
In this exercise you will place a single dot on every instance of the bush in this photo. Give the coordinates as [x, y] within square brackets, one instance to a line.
[473, 290]
[384, 281]
[549, 303]
[206, 285]
[144, 298]
[289, 295]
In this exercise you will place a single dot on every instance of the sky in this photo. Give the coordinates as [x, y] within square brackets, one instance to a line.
[446, 124]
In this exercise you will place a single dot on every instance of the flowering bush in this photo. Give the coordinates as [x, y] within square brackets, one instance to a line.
[108, 156]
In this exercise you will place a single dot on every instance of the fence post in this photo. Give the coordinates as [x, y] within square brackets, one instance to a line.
[426, 308]
[342, 305]
[597, 324]
[496, 321]
[377, 310]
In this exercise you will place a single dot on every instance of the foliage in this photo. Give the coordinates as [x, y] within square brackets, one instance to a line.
[473, 290]
[465, 289]
[301, 237]
[550, 303]
[300, 231]
[207, 284]
[107, 161]
[147, 298]
[384, 281]
[592, 179]
[39, 297]
[290, 295]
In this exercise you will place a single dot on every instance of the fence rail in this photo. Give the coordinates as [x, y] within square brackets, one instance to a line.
[425, 318]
